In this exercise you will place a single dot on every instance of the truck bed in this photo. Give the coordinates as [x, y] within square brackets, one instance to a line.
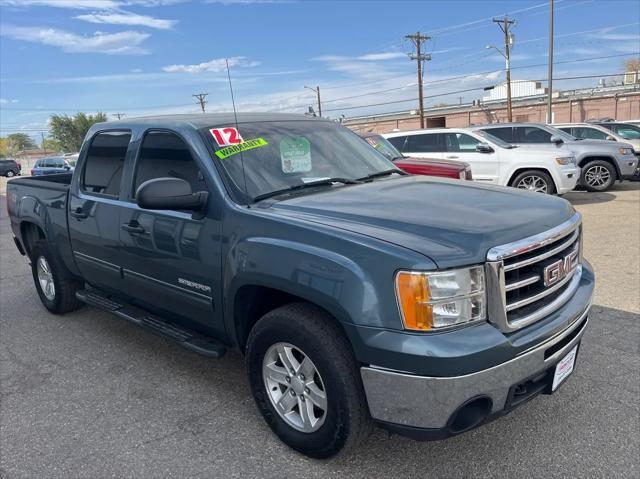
[58, 182]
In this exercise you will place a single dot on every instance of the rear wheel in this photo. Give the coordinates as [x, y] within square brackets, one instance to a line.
[55, 285]
[598, 175]
[9, 174]
[306, 382]
[534, 180]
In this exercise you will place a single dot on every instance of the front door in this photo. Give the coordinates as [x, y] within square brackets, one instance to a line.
[485, 167]
[94, 207]
[171, 261]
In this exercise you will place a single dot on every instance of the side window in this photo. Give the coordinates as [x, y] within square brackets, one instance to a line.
[460, 143]
[590, 133]
[163, 154]
[531, 134]
[425, 143]
[105, 162]
[399, 142]
[505, 133]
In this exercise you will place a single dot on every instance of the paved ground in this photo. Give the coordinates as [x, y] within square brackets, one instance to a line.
[86, 395]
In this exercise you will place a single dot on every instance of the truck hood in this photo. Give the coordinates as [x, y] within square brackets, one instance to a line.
[454, 223]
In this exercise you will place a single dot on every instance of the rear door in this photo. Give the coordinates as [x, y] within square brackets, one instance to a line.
[532, 135]
[94, 209]
[485, 167]
[505, 133]
[171, 259]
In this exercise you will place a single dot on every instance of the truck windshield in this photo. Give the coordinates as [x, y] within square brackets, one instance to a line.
[275, 156]
[384, 146]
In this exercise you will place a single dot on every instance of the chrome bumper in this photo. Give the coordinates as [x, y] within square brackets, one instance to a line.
[429, 402]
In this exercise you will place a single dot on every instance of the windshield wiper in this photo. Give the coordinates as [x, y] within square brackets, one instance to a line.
[308, 184]
[380, 174]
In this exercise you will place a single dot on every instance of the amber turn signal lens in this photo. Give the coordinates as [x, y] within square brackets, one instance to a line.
[413, 296]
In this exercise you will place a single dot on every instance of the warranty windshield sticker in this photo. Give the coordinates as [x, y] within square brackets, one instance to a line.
[295, 155]
[244, 146]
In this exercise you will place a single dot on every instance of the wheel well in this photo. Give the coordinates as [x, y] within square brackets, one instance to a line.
[30, 234]
[522, 170]
[608, 159]
[252, 302]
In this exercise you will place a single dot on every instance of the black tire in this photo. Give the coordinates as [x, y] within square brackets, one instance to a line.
[347, 422]
[10, 174]
[538, 177]
[591, 175]
[64, 296]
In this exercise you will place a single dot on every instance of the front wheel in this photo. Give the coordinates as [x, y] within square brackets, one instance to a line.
[9, 174]
[534, 180]
[598, 175]
[306, 382]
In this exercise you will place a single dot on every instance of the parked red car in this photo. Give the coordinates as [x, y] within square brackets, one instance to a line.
[419, 166]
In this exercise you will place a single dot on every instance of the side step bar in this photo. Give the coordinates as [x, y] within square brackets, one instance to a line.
[186, 338]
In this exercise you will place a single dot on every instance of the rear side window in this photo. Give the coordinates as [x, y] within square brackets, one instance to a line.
[460, 142]
[425, 143]
[165, 155]
[105, 162]
[505, 134]
[589, 133]
[399, 142]
[531, 134]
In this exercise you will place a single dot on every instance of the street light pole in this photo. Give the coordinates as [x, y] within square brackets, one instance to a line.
[550, 73]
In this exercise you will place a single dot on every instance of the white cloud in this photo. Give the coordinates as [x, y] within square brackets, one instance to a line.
[215, 65]
[127, 18]
[247, 2]
[382, 56]
[4, 101]
[121, 43]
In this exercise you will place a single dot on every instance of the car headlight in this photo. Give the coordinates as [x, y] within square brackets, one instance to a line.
[440, 299]
[625, 151]
[566, 160]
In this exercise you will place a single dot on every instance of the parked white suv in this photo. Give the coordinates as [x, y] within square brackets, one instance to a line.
[491, 159]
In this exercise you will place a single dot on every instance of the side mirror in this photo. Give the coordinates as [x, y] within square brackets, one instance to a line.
[169, 194]
[483, 147]
[610, 138]
[556, 139]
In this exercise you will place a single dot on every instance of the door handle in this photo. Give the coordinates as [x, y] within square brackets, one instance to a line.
[78, 213]
[133, 228]
[452, 157]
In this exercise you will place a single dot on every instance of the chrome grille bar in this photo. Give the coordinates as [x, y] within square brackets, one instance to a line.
[523, 283]
[548, 254]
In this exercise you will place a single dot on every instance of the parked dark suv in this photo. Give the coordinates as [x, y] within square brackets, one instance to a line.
[9, 168]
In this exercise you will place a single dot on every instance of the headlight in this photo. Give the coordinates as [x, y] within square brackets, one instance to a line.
[433, 300]
[625, 151]
[566, 160]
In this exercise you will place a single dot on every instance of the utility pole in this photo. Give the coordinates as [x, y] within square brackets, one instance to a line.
[44, 145]
[550, 73]
[118, 115]
[201, 99]
[420, 57]
[505, 25]
[316, 90]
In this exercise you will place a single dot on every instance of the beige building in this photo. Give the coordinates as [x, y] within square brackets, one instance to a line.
[617, 102]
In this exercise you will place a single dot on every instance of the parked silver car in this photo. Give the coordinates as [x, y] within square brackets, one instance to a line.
[602, 162]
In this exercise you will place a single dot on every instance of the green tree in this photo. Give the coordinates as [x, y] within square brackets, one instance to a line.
[70, 131]
[18, 142]
[4, 147]
[51, 146]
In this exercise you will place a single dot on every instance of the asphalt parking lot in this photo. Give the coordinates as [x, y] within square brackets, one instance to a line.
[87, 395]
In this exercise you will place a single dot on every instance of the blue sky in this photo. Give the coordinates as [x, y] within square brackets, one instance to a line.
[143, 57]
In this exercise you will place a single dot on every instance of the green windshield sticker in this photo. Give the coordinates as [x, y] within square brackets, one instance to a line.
[295, 155]
[244, 146]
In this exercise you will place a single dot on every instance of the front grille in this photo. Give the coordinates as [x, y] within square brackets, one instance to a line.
[535, 276]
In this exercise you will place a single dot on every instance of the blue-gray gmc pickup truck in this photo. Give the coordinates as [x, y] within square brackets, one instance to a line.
[358, 294]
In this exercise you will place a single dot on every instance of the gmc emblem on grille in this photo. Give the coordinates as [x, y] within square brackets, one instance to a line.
[559, 270]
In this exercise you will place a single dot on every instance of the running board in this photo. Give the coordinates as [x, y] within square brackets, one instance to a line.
[204, 345]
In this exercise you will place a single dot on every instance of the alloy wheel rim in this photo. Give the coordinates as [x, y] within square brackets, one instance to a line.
[597, 176]
[533, 183]
[45, 278]
[9, 174]
[294, 387]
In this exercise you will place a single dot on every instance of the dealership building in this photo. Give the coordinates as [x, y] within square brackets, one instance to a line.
[529, 104]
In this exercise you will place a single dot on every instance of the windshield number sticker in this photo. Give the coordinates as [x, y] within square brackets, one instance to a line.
[226, 136]
[295, 155]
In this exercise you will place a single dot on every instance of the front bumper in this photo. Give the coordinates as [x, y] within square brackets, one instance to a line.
[628, 166]
[429, 407]
[568, 179]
